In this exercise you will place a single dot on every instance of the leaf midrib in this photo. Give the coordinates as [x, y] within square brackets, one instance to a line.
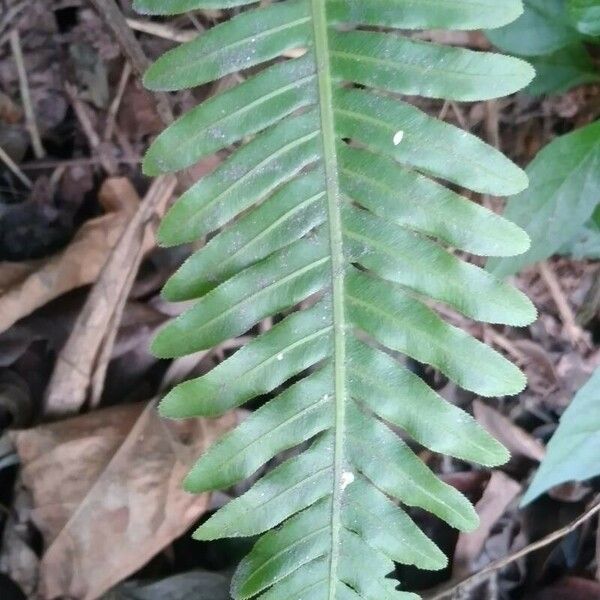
[324, 81]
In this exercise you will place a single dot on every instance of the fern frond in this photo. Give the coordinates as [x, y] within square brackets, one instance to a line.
[331, 211]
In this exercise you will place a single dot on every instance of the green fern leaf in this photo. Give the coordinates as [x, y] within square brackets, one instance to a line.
[331, 211]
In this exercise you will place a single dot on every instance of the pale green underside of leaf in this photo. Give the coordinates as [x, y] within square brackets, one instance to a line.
[335, 212]
[575, 446]
[543, 28]
[564, 192]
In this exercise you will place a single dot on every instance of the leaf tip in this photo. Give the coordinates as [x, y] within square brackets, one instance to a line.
[159, 346]
[166, 234]
[521, 182]
[155, 79]
[522, 243]
[471, 521]
[206, 533]
[151, 165]
[499, 456]
[192, 483]
[436, 560]
[168, 406]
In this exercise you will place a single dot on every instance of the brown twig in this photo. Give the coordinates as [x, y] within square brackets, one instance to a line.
[162, 30]
[182, 36]
[76, 162]
[495, 566]
[81, 112]
[36, 141]
[460, 116]
[112, 16]
[572, 329]
[113, 110]
[497, 339]
[80, 370]
[590, 308]
[9, 17]
[12, 165]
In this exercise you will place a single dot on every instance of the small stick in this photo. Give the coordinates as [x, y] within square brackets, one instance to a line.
[114, 19]
[444, 111]
[488, 571]
[591, 305]
[502, 342]
[567, 315]
[88, 129]
[15, 44]
[460, 117]
[12, 165]
[116, 103]
[163, 31]
[9, 17]
[182, 36]
[76, 162]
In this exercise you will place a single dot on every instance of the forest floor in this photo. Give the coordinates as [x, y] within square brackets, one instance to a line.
[90, 504]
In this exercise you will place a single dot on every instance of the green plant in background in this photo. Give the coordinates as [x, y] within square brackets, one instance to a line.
[559, 211]
[552, 35]
[585, 16]
[574, 449]
[558, 207]
[332, 202]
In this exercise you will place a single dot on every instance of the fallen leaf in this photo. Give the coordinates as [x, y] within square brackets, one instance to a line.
[42, 48]
[90, 71]
[570, 588]
[14, 343]
[107, 493]
[573, 491]
[35, 225]
[517, 440]
[25, 287]
[49, 470]
[499, 493]
[17, 558]
[9, 112]
[574, 448]
[199, 585]
[138, 116]
[83, 360]
[16, 405]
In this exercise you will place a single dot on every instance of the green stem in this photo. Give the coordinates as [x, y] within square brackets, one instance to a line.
[334, 202]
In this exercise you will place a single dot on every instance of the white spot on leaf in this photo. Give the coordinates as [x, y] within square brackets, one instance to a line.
[398, 137]
[346, 479]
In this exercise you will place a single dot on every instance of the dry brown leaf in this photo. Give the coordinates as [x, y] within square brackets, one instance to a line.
[499, 493]
[107, 493]
[517, 440]
[84, 358]
[25, 287]
[570, 588]
[17, 558]
[44, 452]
